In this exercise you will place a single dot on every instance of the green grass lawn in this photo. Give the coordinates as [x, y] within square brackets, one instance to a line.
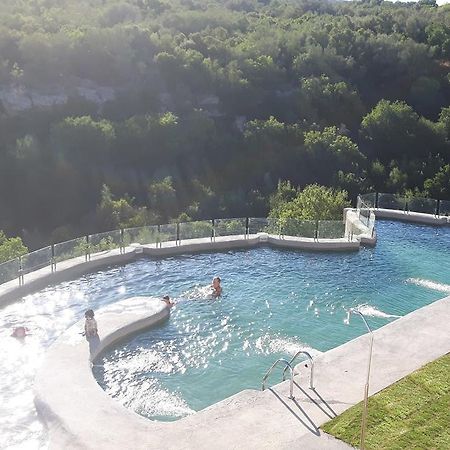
[413, 413]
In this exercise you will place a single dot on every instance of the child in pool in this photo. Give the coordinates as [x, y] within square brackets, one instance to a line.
[216, 287]
[20, 332]
[168, 301]
[90, 325]
[91, 331]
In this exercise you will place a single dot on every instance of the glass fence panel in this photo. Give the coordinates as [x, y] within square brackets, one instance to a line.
[229, 227]
[70, 249]
[364, 216]
[369, 200]
[330, 229]
[257, 225]
[444, 208]
[423, 205]
[391, 201]
[263, 225]
[195, 230]
[168, 232]
[298, 228]
[371, 225]
[101, 242]
[36, 260]
[9, 270]
[141, 235]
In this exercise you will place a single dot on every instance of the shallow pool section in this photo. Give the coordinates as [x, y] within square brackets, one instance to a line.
[274, 303]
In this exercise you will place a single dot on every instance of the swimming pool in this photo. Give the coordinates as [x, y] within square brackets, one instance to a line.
[274, 302]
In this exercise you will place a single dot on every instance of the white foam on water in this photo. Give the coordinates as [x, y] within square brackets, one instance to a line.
[268, 344]
[198, 292]
[150, 398]
[441, 287]
[371, 311]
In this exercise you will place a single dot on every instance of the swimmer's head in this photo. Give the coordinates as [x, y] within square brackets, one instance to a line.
[89, 314]
[166, 297]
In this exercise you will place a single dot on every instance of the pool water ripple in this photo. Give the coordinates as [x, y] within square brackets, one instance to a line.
[274, 303]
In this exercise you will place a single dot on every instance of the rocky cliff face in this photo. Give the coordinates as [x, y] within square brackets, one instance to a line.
[16, 98]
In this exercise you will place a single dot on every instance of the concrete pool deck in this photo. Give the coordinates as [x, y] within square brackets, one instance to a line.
[80, 415]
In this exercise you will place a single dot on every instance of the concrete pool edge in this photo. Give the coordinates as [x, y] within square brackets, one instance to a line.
[64, 384]
[412, 217]
[81, 415]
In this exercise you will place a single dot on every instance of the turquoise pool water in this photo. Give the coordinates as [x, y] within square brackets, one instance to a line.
[274, 303]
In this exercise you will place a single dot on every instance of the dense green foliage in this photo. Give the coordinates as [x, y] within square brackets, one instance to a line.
[197, 108]
[412, 414]
[314, 202]
[10, 248]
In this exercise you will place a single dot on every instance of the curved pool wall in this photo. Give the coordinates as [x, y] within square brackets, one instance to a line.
[81, 416]
[76, 410]
[75, 267]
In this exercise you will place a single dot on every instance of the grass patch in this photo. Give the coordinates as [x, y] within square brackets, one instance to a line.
[413, 413]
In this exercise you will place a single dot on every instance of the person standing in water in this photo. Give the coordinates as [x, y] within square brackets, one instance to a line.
[216, 287]
[91, 330]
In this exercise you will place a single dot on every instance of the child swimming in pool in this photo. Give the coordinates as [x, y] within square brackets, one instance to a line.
[168, 301]
[20, 332]
[216, 287]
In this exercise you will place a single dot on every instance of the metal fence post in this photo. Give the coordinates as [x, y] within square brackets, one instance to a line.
[20, 272]
[247, 227]
[158, 237]
[53, 261]
[87, 254]
[438, 207]
[376, 200]
[122, 244]
[213, 233]
[316, 232]
[178, 241]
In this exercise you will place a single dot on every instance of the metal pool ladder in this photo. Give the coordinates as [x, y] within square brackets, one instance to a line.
[287, 366]
[311, 377]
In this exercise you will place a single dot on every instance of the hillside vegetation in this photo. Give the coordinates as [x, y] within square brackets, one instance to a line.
[127, 112]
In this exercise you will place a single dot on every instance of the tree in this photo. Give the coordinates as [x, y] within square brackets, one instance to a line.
[113, 214]
[389, 131]
[11, 248]
[328, 152]
[162, 198]
[83, 139]
[314, 202]
[329, 103]
[439, 186]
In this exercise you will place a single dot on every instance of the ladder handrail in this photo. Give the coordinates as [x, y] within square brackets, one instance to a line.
[287, 365]
[303, 352]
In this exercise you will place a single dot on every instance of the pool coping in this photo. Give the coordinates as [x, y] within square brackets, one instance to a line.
[410, 216]
[80, 415]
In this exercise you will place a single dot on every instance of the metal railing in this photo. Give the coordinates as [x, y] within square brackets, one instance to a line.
[101, 243]
[286, 365]
[311, 376]
[439, 208]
